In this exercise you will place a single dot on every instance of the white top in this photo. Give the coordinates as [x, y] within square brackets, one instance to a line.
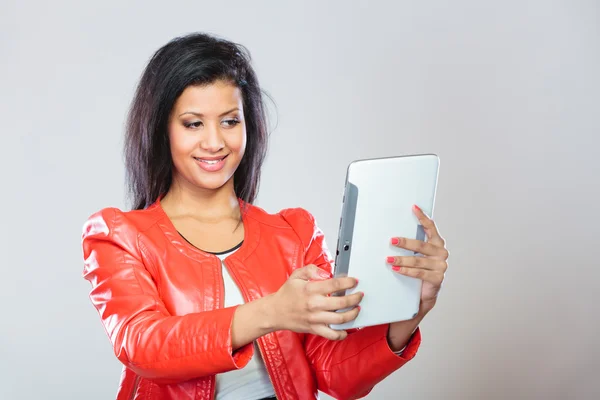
[251, 382]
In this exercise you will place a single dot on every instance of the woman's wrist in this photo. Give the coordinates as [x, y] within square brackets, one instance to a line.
[399, 333]
[426, 306]
[252, 320]
[269, 321]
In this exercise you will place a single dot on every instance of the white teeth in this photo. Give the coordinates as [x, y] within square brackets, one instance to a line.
[209, 162]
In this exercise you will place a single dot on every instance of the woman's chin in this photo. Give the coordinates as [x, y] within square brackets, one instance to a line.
[211, 183]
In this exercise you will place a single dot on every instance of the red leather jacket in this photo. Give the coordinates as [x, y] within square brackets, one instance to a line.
[161, 302]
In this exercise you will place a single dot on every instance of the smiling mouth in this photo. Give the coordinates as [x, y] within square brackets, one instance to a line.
[212, 161]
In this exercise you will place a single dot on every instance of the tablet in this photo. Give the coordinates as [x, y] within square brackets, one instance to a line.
[377, 205]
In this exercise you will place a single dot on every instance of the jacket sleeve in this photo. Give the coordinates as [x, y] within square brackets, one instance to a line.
[347, 369]
[144, 336]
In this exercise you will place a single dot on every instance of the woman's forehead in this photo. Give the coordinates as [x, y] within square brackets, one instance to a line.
[210, 99]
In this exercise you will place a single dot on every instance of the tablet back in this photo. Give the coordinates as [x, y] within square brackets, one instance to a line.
[377, 206]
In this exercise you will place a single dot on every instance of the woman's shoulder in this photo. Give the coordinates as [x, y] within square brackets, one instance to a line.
[112, 219]
[297, 219]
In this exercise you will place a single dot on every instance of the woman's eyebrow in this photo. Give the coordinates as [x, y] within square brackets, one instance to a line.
[202, 115]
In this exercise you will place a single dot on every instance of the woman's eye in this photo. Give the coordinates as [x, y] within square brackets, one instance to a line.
[228, 123]
[193, 124]
[231, 122]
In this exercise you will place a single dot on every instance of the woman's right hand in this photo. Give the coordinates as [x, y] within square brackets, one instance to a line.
[303, 303]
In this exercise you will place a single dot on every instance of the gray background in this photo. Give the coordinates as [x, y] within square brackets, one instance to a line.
[507, 93]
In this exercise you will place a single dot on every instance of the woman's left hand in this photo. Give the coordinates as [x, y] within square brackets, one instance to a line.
[430, 267]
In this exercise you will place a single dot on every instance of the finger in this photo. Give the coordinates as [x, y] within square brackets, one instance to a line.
[433, 277]
[419, 246]
[332, 317]
[340, 302]
[331, 285]
[320, 302]
[431, 264]
[429, 226]
[328, 333]
[310, 273]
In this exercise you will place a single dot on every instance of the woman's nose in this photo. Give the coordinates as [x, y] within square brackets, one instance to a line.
[211, 139]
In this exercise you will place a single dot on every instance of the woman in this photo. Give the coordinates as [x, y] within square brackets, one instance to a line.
[204, 295]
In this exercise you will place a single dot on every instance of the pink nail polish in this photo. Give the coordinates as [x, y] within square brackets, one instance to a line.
[417, 208]
[395, 241]
[396, 269]
[390, 260]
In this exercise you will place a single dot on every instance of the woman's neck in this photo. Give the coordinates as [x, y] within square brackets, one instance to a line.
[203, 204]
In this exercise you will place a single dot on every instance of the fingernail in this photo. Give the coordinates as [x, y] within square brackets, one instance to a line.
[396, 269]
[395, 241]
[417, 208]
[390, 260]
[323, 274]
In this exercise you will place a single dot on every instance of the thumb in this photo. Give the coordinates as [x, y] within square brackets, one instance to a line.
[311, 273]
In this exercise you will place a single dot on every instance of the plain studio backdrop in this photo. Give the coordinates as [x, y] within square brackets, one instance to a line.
[506, 93]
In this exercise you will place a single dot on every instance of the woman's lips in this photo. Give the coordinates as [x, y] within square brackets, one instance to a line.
[211, 164]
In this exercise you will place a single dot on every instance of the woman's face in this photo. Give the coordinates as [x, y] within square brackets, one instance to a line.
[207, 133]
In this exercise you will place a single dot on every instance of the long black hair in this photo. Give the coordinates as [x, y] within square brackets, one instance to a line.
[194, 59]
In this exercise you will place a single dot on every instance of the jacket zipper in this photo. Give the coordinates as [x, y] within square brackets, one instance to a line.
[221, 305]
[135, 386]
[262, 354]
[258, 341]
